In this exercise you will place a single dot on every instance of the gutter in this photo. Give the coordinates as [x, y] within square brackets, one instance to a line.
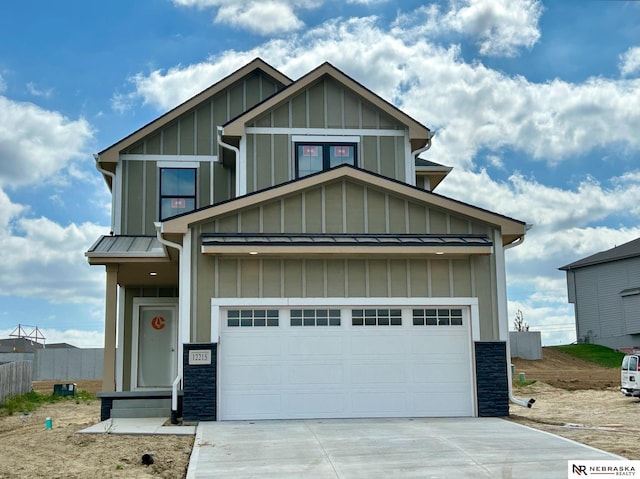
[178, 379]
[236, 152]
[425, 147]
[111, 175]
[528, 402]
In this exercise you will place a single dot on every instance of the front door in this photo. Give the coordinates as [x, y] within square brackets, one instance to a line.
[155, 344]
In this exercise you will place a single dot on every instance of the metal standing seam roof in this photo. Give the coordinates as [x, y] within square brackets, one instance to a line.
[624, 251]
[211, 239]
[122, 246]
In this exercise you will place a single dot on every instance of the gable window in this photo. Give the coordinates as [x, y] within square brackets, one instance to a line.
[313, 157]
[177, 191]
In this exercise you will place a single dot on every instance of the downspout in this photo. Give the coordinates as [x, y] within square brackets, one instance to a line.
[520, 402]
[112, 175]
[176, 381]
[236, 152]
[414, 157]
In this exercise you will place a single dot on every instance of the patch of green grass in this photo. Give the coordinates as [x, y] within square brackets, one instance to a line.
[594, 353]
[26, 403]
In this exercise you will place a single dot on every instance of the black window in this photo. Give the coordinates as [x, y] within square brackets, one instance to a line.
[177, 191]
[315, 157]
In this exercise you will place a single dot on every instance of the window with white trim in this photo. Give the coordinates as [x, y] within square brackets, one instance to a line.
[313, 157]
[376, 317]
[177, 191]
[437, 317]
[315, 317]
[252, 318]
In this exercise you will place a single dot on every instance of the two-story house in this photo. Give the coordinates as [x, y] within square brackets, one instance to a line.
[278, 252]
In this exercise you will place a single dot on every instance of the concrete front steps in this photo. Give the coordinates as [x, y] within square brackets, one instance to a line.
[158, 407]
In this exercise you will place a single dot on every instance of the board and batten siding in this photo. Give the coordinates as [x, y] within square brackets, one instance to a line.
[344, 207]
[193, 133]
[326, 105]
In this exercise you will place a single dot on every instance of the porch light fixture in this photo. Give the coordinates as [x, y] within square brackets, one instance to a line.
[153, 273]
[253, 252]
[439, 252]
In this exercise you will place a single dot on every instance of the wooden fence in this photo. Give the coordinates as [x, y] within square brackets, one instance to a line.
[15, 379]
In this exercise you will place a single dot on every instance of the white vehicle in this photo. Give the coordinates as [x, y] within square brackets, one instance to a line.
[630, 375]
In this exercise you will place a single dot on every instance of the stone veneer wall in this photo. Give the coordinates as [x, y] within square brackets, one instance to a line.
[491, 378]
[199, 385]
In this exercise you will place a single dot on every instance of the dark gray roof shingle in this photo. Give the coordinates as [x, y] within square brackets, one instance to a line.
[624, 251]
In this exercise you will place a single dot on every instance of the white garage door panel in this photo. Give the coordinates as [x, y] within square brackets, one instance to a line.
[344, 371]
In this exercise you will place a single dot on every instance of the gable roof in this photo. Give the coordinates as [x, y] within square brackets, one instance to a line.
[512, 229]
[111, 154]
[418, 133]
[624, 251]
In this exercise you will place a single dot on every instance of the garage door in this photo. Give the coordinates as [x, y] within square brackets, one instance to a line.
[344, 362]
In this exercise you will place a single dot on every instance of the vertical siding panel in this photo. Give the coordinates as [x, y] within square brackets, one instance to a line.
[281, 116]
[398, 278]
[369, 154]
[458, 225]
[135, 196]
[369, 117]
[299, 111]
[271, 280]
[378, 278]
[252, 91]
[356, 271]
[376, 211]
[417, 219]
[220, 115]
[437, 222]
[461, 278]
[271, 218]
[483, 286]
[170, 140]
[355, 208]
[333, 208]
[293, 278]
[250, 221]
[228, 278]
[263, 161]
[151, 192]
[249, 278]
[221, 183]
[204, 184]
[334, 105]
[204, 130]
[228, 224]
[419, 278]
[314, 278]
[335, 278]
[313, 210]
[316, 106]
[153, 145]
[293, 215]
[440, 278]
[187, 134]
[388, 158]
[397, 215]
[236, 100]
[251, 162]
[281, 160]
[351, 111]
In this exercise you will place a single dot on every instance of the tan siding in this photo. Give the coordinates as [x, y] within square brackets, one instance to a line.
[228, 224]
[440, 278]
[271, 278]
[398, 156]
[334, 105]
[458, 225]
[437, 222]
[136, 149]
[227, 278]
[204, 130]
[263, 162]
[299, 111]
[397, 217]
[369, 117]
[419, 278]
[314, 278]
[293, 278]
[187, 134]
[236, 100]
[293, 215]
[249, 278]
[271, 218]
[222, 177]
[335, 278]
[357, 278]
[483, 290]
[388, 157]
[264, 120]
[152, 194]
[376, 211]
[369, 154]
[313, 211]
[250, 221]
[170, 140]
[220, 113]
[355, 208]
[251, 162]
[134, 175]
[281, 160]
[333, 208]
[417, 218]
[252, 88]
[154, 145]
[398, 278]
[351, 111]
[378, 278]
[461, 278]
[316, 106]
[203, 275]
[204, 177]
[281, 116]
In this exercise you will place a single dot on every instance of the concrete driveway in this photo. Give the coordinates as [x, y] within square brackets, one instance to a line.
[382, 448]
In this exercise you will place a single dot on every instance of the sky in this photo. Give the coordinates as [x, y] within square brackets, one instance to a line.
[535, 105]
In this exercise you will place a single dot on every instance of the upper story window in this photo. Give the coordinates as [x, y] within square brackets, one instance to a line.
[312, 157]
[177, 191]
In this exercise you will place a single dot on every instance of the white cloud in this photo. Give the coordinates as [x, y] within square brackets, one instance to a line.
[35, 91]
[35, 144]
[630, 62]
[45, 260]
[3, 85]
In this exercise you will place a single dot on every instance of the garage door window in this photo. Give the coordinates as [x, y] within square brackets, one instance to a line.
[437, 317]
[376, 317]
[252, 317]
[315, 317]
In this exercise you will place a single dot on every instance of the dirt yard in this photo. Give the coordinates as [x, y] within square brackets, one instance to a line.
[574, 399]
[28, 449]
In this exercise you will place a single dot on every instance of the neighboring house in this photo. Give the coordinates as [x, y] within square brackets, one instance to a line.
[278, 252]
[605, 291]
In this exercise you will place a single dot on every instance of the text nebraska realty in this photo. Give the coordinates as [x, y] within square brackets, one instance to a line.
[582, 470]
